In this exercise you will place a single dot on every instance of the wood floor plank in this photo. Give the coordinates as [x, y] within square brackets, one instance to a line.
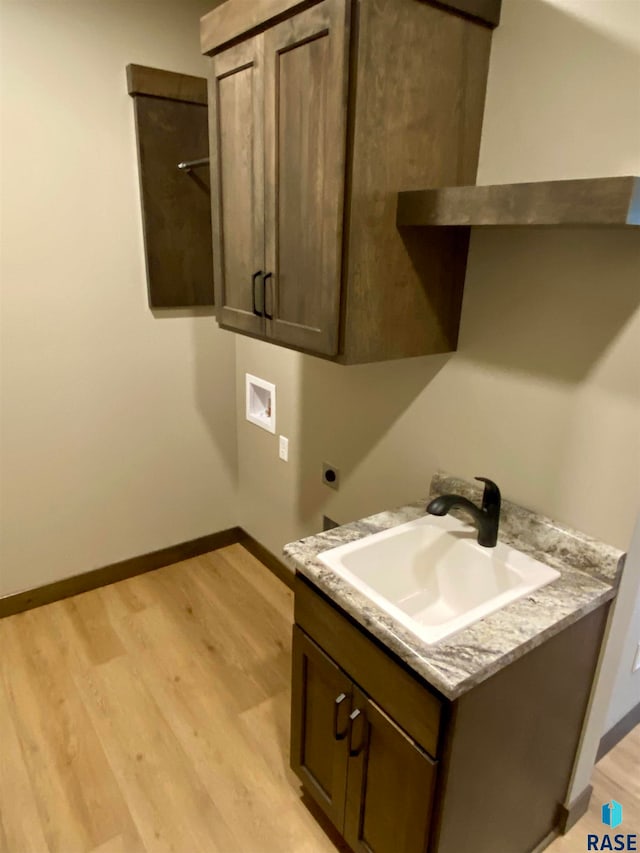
[185, 683]
[266, 727]
[79, 803]
[203, 604]
[171, 808]
[114, 845]
[239, 780]
[90, 623]
[185, 646]
[268, 587]
[617, 777]
[126, 592]
[152, 716]
[271, 617]
[122, 613]
[221, 576]
[19, 819]
[623, 766]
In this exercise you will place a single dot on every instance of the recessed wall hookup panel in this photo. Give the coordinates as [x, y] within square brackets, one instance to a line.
[260, 402]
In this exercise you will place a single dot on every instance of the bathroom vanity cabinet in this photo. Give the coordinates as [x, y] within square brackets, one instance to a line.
[319, 113]
[395, 765]
[350, 755]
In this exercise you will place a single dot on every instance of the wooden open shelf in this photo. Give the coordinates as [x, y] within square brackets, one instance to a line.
[606, 202]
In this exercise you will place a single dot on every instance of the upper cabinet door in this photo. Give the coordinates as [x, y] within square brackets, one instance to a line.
[306, 78]
[237, 176]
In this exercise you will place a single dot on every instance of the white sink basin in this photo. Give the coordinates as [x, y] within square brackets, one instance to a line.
[432, 576]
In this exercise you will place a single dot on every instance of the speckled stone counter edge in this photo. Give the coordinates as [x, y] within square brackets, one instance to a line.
[589, 572]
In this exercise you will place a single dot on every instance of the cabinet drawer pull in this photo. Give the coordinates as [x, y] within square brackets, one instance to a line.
[264, 295]
[336, 710]
[253, 294]
[354, 716]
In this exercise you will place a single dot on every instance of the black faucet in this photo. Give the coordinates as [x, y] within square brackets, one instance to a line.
[486, 518]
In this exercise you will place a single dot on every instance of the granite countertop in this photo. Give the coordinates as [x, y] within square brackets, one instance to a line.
[589, 575]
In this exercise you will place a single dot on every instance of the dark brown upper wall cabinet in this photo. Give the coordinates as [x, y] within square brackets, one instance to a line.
[319, 113]
[278, 135]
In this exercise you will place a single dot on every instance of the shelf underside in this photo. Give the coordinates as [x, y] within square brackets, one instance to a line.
[605, 202]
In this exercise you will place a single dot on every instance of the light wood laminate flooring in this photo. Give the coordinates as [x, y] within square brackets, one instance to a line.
[153, 715]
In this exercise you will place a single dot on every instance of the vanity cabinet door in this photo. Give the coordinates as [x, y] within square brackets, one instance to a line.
[391, 785]
[236, 144]
[306, 76]
[320, 709]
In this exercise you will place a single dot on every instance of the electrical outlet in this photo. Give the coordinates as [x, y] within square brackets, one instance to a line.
[636, 663]
[283, 448]
[330, 475]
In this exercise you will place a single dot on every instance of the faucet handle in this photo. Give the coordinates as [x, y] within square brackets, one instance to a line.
[491, 497]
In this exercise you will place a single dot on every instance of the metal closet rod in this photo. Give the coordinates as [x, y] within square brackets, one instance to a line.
[188, 165]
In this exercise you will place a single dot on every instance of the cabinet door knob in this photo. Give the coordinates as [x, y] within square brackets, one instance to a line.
[338, 735]
[266, 277]
[354, 717]
[253, 294]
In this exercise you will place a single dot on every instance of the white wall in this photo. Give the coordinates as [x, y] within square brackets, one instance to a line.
[544, 391]
[118, 428]
[543, 394]
[616, 690]
[626, 688]
[118, 431]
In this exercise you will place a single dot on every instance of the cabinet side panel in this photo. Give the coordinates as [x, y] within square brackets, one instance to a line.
[512, 746]
[419, 99]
